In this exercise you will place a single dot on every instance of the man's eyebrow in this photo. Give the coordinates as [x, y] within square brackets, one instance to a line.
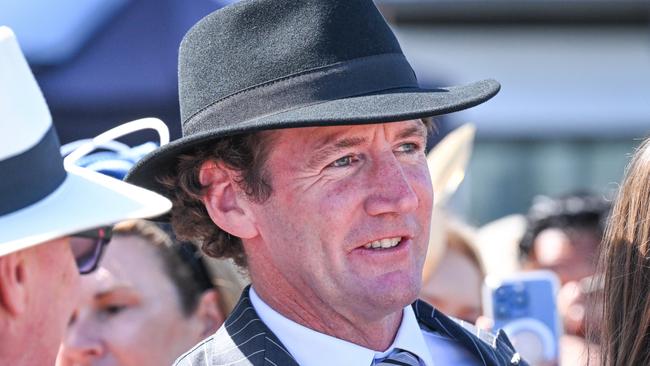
[417, 130]
[331, 147]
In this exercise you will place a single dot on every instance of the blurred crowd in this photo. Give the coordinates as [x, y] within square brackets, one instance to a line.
[152, 296]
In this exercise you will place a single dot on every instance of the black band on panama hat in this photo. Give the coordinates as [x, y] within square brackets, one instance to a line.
[40, 168]
[270, 64]
[42, 197]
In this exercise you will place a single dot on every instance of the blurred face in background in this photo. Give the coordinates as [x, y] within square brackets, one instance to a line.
[571, 254]
[131, 312]
[455, 286]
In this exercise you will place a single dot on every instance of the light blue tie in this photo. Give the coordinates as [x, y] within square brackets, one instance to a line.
[400, 357]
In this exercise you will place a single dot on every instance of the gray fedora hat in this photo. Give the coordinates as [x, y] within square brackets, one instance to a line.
[270, 64]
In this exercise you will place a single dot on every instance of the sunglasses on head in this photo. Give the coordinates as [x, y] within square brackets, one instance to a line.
[88, 246]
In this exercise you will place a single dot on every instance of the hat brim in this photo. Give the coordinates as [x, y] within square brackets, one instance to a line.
[389, 106]
[83, 201]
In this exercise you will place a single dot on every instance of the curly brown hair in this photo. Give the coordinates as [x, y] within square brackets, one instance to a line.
[247, 155]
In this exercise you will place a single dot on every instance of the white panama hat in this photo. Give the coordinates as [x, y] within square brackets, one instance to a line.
[40, 199]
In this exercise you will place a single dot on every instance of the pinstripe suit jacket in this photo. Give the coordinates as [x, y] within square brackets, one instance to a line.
[244, 340]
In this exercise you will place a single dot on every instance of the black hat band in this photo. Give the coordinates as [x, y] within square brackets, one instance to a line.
[366, 75]
[32, 175]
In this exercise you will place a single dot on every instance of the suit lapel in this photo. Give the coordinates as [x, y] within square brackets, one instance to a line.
[253, 338]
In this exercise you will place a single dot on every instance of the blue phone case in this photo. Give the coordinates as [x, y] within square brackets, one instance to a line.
[524, 306]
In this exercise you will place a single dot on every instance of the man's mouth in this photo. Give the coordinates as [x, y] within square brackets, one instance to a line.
[384, 243]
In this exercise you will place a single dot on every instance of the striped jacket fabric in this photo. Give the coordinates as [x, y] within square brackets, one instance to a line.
[244, 340]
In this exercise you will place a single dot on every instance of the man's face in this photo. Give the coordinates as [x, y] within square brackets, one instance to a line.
[53, 286]
[347, 224]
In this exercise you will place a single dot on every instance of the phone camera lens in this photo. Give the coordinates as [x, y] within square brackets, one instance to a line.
[502, 311]
[520, 299]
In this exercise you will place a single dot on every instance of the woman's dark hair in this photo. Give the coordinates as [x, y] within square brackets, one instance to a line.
[181, 260]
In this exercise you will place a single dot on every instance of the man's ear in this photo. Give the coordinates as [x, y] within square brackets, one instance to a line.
[13, 288]
[224, 200]
[208, 313]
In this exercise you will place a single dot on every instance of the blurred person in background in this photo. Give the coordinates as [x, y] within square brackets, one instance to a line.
[454, 284]
[563, 235]
[51, 217]
[625, 264]
[151, 300]
[499, 244]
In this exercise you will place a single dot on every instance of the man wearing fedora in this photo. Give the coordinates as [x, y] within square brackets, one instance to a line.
[303, 160]
[52, 218]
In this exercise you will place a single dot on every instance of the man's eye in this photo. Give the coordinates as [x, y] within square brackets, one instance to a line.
[408, 147]
[343, 162]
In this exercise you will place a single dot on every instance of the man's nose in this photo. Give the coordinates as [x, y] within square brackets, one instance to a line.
[391, 189]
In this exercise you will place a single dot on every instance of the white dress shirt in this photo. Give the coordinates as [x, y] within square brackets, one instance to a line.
[311, 348]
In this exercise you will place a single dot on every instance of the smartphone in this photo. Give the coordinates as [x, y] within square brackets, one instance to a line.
[523, 304]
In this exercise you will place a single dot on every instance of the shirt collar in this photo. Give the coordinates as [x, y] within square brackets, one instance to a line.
[311, 348]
